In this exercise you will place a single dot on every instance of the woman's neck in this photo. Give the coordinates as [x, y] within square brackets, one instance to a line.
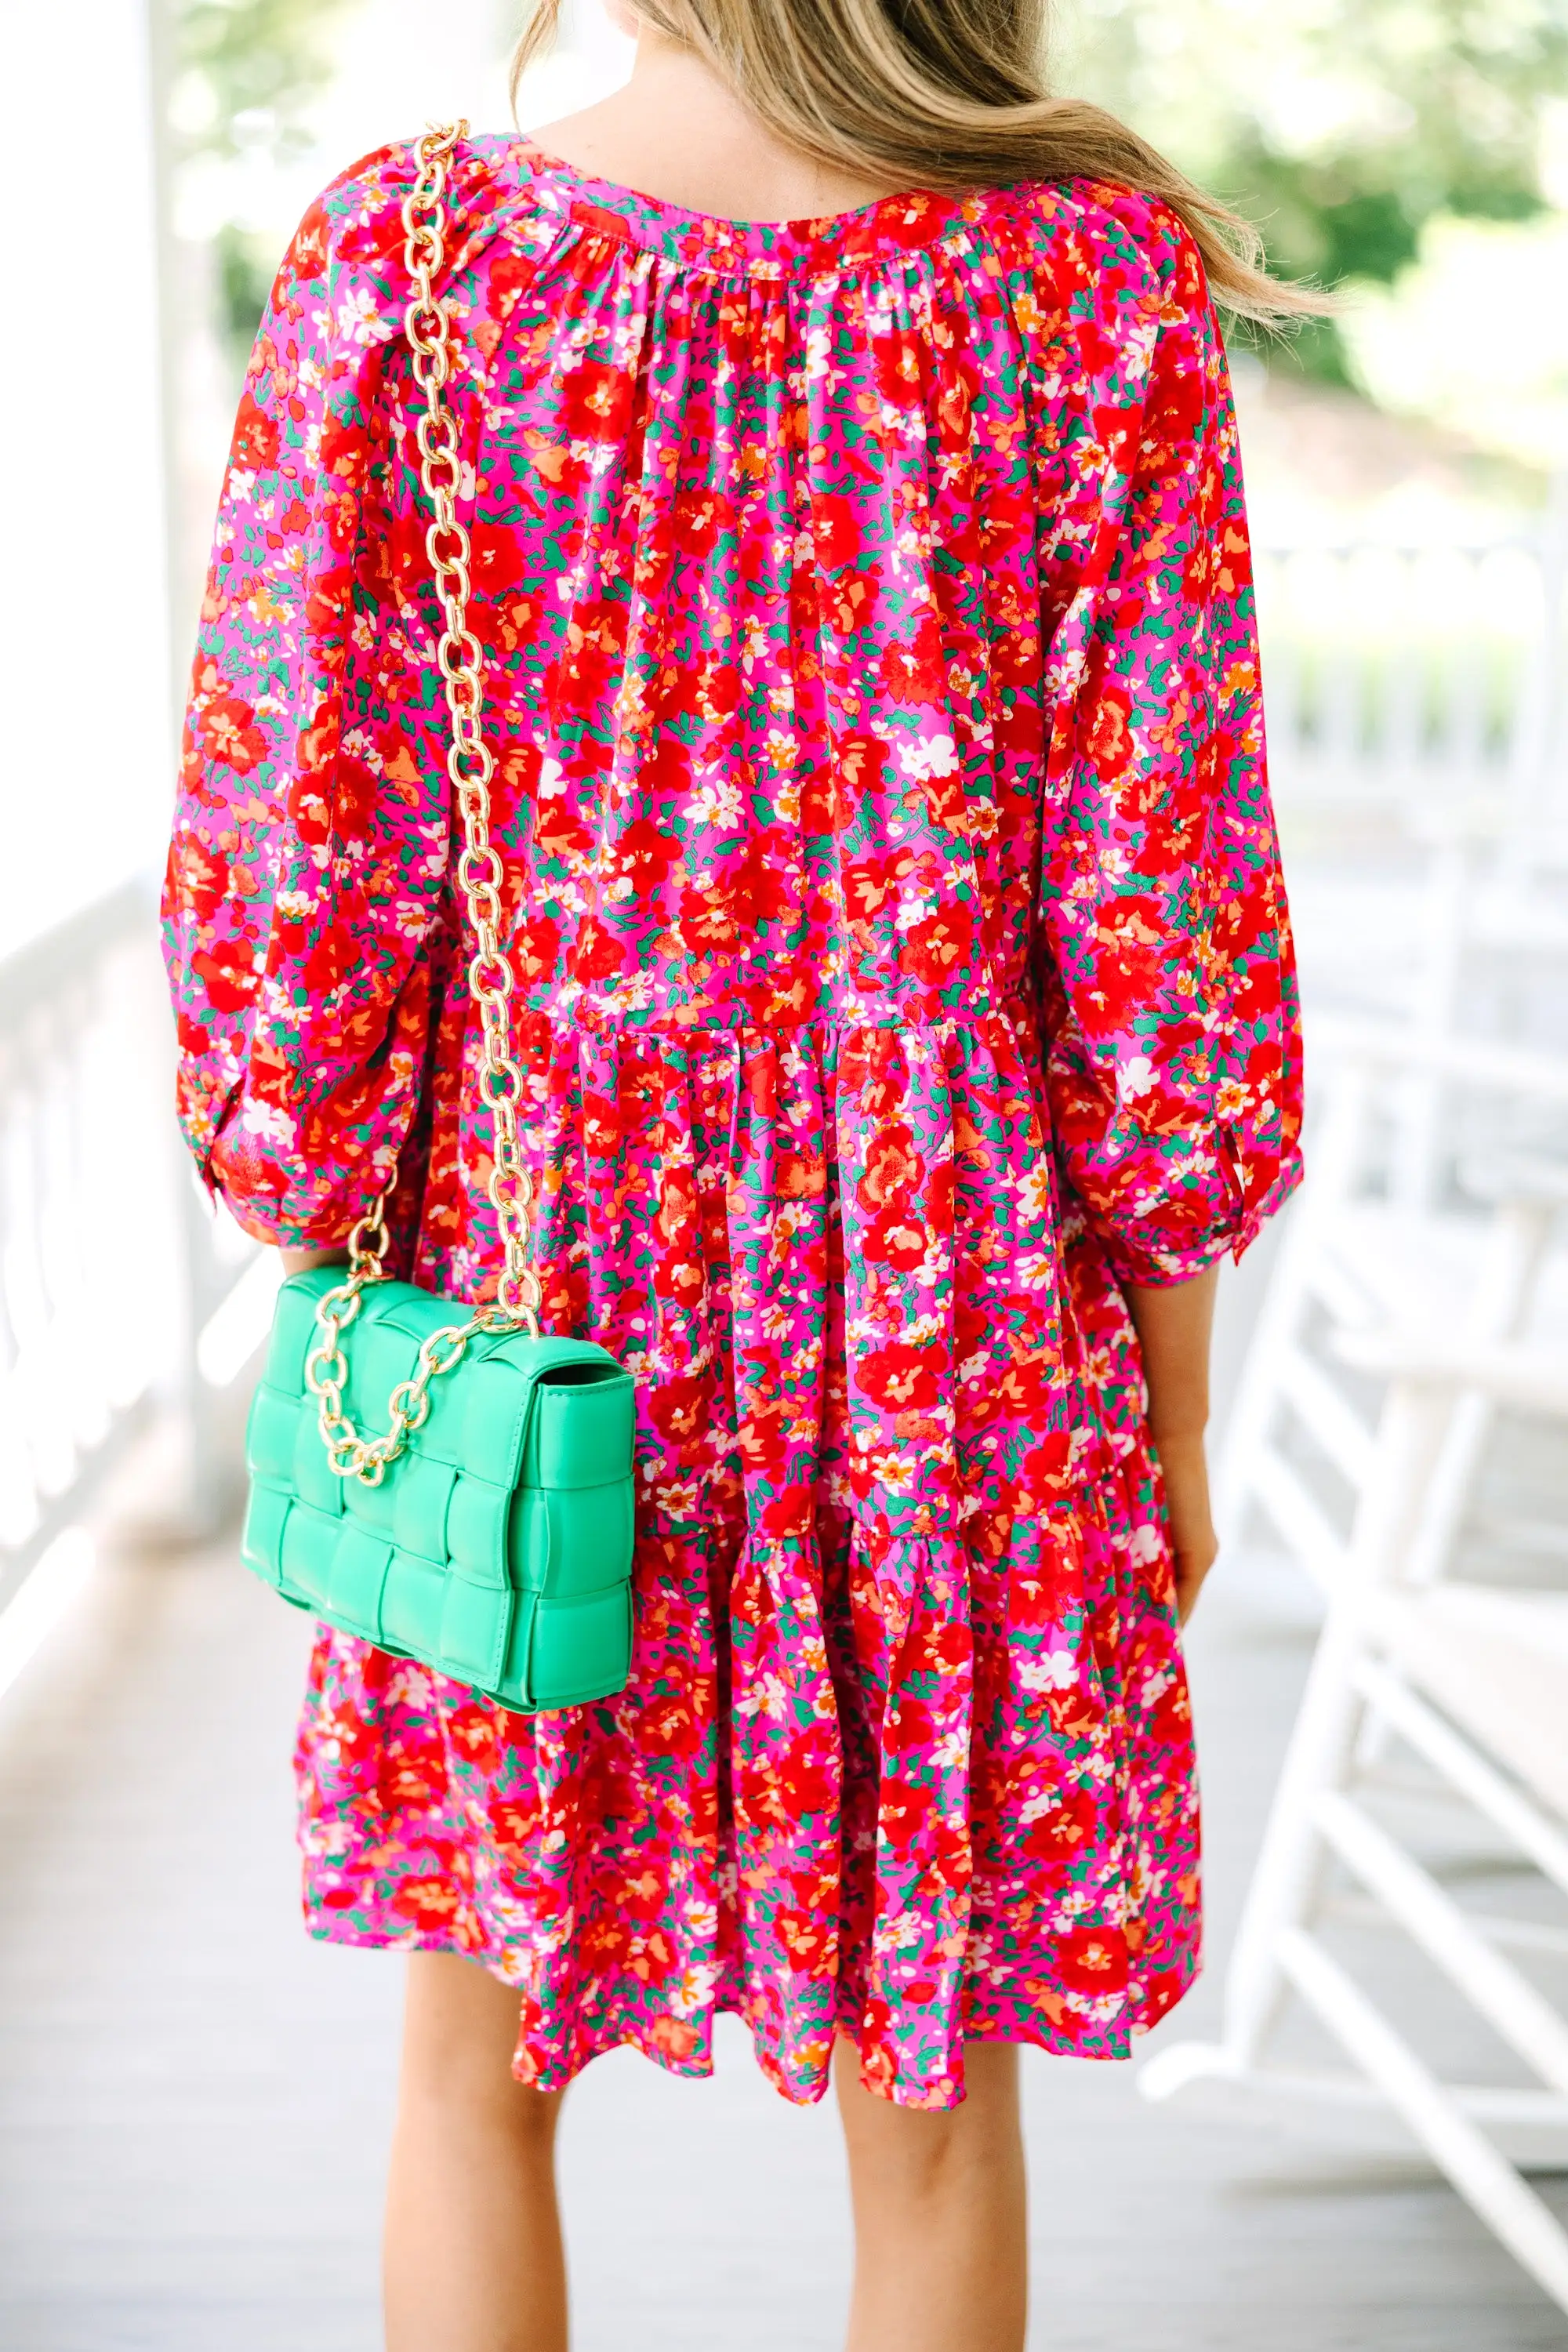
[677, 132]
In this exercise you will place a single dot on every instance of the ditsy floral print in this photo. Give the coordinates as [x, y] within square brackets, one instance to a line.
[901, 962]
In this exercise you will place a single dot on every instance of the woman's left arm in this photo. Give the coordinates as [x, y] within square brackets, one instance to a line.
[308, 856]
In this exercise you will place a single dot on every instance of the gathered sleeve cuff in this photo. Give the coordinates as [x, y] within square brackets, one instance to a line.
[1164, 956]
[304, 907]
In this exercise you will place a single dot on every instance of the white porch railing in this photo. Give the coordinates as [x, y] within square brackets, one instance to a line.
[1421, 683]
[122, 1296]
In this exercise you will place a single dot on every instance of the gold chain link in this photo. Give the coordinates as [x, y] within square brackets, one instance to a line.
[428, 322]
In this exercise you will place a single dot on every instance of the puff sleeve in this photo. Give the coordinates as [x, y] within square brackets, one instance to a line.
[1166, 960]
[306, 875]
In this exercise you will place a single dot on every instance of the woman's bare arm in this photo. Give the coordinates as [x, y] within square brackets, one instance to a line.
[1173, 1328]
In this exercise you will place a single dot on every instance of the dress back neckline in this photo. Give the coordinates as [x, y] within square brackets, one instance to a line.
[883, 229]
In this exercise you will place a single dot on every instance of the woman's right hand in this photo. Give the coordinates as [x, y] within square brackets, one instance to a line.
[1194, 1543]
[1173, 1322]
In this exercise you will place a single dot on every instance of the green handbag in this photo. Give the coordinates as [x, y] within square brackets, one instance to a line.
[488, 1530]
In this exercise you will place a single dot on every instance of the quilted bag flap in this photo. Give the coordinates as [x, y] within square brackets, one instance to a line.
[445, 1499]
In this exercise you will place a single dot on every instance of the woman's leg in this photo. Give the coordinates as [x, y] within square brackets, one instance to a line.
[941, 2213]
[473, 2260]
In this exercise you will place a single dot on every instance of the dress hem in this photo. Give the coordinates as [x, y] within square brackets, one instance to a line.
[698, 2065]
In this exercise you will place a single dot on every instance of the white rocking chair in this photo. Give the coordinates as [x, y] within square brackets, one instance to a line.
[1355, 1255]
[1473, 1680]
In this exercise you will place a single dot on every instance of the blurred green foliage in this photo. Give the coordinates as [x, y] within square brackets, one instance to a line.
[245, 74]
[1340, 126]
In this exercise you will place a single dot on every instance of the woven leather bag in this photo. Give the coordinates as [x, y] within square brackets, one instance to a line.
[488, 1530]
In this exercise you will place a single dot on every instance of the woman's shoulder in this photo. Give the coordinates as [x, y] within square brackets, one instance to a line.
[355, 227]
[1124, 247]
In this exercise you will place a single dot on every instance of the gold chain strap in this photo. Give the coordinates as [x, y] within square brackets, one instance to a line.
[470, 764]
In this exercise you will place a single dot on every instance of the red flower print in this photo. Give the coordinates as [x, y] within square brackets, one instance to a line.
[198, 879]
[1170, 1719]
[671, 1726]
[345, 451]
[255, 437]
[899, 369]
[946, 801]
[848, 601]
[807, 1779]
[1092, 1960]
[907, 1724]
[229, 734]
[937, 949]
[600, 954]
[1197, 571]
[1115, 427]
[415, 1776]
[228, 974]
[810, 1942]
[536, 948]
[1175, 405]
[651, 1957]
[1066, 1830]
[498, 562]
[702, 519]
[1105, 731]
[762, 1441]
[902, 1378]
[596, 401]
[708, 920]
[510, 273]
[896, 1240]
[915, 673]
[1233, 561]
[586, 666]
[558, 830]
[430, 1903]
[307, 255]
[473, 1734]
[893, 1166]
[679, 1407]
[676, 2036]
[1095, 346]
[515, 1823]
[601, 1125]
[868, 886]
[800, 1175]
[327, 605]
[790, 1514]
[906, 1810]
[834, 530]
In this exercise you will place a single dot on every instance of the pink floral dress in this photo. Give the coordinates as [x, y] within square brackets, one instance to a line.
[902, 961]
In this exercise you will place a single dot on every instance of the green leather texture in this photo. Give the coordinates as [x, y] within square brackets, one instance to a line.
[497, 1546]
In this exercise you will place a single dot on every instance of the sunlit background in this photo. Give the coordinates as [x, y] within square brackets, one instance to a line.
[1392, 1386]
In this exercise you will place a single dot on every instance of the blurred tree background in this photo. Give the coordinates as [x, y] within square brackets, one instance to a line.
[1343, 128]
[246, 75]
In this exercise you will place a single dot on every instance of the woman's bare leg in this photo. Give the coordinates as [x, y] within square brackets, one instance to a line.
[473, 2260]
[941, 2213]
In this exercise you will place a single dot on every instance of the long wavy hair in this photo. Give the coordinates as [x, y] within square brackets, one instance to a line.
[949, 94]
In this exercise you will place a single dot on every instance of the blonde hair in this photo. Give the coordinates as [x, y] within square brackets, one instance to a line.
[947, 94]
